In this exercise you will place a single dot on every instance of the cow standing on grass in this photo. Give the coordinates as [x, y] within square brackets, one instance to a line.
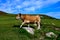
[29, 19]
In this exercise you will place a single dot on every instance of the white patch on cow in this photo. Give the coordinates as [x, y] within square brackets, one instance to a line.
[27, 21]
[29, 29]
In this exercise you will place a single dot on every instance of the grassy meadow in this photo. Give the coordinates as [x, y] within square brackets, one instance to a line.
[9, 29]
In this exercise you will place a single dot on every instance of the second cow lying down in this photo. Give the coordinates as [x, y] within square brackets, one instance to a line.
[29, 19]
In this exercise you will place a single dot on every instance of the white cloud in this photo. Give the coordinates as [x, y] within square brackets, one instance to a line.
[54, 14]
[27, 5]
[30, 9]
[37, 4]
[18, 6]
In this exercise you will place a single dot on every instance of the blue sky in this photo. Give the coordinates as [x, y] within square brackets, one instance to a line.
[48, 7]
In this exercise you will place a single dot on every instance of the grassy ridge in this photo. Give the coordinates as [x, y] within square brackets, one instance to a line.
[9, 29]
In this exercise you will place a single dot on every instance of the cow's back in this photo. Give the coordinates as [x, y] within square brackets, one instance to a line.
[31, 18]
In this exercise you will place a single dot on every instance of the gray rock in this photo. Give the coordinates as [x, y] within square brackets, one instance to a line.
[29, 29]
[50, 34]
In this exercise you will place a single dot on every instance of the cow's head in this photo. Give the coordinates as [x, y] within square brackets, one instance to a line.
[18, 16]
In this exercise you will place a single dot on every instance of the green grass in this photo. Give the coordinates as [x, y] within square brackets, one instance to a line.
[9, 29]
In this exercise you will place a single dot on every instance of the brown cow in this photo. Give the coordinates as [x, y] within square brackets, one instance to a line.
[29, 18]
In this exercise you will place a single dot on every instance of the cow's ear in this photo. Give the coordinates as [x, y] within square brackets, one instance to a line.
[20, 14]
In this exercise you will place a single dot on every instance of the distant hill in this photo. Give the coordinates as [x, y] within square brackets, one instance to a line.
[46, 17]
[6, 14]
[3, 13]
[42, 16]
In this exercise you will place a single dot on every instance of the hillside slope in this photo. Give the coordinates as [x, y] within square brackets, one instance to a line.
[9, 28]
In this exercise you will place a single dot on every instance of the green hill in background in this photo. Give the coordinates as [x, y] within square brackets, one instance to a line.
[9, 28]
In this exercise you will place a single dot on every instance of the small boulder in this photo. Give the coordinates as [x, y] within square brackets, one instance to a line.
[29, 30]
[50, 34]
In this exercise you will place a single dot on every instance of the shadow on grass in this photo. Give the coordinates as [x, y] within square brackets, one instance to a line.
[23, 26]
[58, 38]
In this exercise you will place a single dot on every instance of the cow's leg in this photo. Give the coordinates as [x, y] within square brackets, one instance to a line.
[22, 24]
[35, 24]
[38, 26]
[28, 25]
